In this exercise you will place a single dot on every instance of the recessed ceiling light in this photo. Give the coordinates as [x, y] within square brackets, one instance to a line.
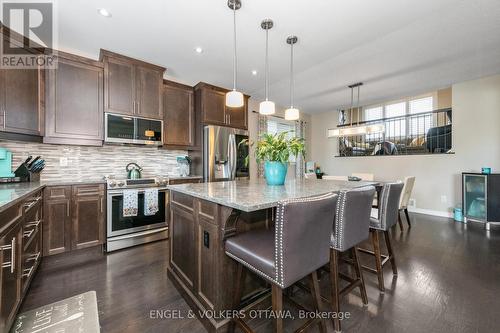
[104, 12]
[254, 72]
[198, 50]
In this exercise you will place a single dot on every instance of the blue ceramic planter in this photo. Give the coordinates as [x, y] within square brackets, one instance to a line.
[275, 172]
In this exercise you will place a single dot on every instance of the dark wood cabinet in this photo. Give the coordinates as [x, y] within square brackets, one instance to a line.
[74, 102]
[57, 220]
[131, 86]
[178, 115]
[211, 102]
[20, 243]
[88, 221]
[74, 217]
[21, 100]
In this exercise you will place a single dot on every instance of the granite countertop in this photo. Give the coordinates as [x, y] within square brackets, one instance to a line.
[248, 195]
[10, 193]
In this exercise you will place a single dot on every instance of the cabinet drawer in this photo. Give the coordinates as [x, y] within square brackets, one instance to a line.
[90, 189]
[32, 224]
[31, 258]
[184, 181]
[57, 192]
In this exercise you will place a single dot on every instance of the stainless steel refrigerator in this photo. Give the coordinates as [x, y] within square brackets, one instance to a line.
[224, 154]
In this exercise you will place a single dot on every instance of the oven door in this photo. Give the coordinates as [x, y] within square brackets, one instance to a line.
[119, 225]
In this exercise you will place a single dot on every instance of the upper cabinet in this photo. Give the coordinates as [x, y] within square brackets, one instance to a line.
[178, 115]
[211, 102]
[74, 101]
[132, 87]
[21, 100]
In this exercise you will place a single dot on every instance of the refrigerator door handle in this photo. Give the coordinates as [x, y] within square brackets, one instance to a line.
[231, 152]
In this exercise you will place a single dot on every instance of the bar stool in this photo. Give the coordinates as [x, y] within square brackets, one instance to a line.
[296, 248]
[352, 225]
[409, 182]
[382, 219]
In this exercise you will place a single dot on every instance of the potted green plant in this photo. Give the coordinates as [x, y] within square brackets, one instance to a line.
[275, 151]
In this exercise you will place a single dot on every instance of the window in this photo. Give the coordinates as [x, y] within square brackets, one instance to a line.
[374, 113]
[277, 125]
[395, 128]
[419, 125]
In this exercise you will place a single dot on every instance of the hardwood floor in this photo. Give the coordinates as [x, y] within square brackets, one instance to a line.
[448, 281]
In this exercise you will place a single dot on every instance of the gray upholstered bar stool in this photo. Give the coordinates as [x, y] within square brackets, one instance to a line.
[351, 227]
[296, 248]
[382, 219]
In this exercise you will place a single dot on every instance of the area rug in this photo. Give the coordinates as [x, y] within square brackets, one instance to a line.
[74, 314]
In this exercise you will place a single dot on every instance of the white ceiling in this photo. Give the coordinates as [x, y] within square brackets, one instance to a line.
[396, 47]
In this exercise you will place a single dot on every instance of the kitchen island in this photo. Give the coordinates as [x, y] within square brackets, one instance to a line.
[204, 215]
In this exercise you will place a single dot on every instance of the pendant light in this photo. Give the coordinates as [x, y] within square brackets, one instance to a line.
[291, 113]
[356, 130]
[267, 107]
[234, 98]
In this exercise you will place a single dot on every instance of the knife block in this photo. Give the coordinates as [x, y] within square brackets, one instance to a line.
[26, 175]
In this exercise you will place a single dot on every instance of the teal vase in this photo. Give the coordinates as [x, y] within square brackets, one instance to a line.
[275, 172]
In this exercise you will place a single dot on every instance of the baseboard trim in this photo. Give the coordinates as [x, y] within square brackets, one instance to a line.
[431, 212]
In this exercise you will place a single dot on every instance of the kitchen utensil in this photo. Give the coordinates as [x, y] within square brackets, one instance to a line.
[33, 162]
[133, 171]
[36, 165]
[28, 159]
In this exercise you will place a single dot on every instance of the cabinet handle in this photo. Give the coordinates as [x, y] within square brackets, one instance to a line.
[102, 204]
[67, 209]
[27, 271]
[27, 234]
[4, 115]
[28, 205]
[138, 108]
[34, 223]
[12, 248]
[35, 257]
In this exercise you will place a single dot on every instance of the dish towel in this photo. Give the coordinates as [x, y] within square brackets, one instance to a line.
[130, 203]
[150, 201]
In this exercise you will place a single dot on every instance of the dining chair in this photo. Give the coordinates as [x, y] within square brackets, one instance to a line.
[345, 178]
[351, 227]
[364, 176]
[409, 182]
[382, 219]
[297, 247]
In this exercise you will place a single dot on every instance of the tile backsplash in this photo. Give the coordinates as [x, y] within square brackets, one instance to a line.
[81, 163]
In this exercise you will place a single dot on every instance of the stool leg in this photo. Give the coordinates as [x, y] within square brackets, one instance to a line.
[237, 292]
[407, 217]
[390, 252]
[359, 275]
[334, 278]
[277, 300]
[378, 259]
[317, 299]
[400, 222]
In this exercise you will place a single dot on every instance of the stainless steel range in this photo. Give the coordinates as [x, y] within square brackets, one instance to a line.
[125, 231]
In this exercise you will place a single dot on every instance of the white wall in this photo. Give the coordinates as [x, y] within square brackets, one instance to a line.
[476, 142]
[253, 132]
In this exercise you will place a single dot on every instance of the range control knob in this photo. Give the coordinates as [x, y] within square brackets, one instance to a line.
[112, 183]
[121, 184]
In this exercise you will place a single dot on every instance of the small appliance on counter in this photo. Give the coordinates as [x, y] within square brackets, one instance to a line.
[133, 171]
[29, 170]
[5, 165]
[184, 163]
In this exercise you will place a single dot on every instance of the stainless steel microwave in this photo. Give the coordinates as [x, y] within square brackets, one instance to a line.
[134, 130]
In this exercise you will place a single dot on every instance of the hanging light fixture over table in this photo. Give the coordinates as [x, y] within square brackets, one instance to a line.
[291, 113]
[267, 107]
[234, 98]
[359, 129]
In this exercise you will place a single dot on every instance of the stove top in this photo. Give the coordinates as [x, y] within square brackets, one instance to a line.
[136, 183]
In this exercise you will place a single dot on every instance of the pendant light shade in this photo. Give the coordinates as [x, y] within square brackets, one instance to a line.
[291, 113]
[267, 107]
[234, 98]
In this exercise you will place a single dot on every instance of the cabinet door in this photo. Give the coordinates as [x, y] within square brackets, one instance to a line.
[20, 101]
[237, 117]
[56, 220]
[10, 283]
[149, 84]
[119, 86]
[213, 105]
[88, 216]
[178, 110]
[182, 251]
[74, 104]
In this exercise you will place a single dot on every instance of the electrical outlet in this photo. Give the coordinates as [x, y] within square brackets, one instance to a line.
[444, 199]
[412, 203]
[63, 161]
